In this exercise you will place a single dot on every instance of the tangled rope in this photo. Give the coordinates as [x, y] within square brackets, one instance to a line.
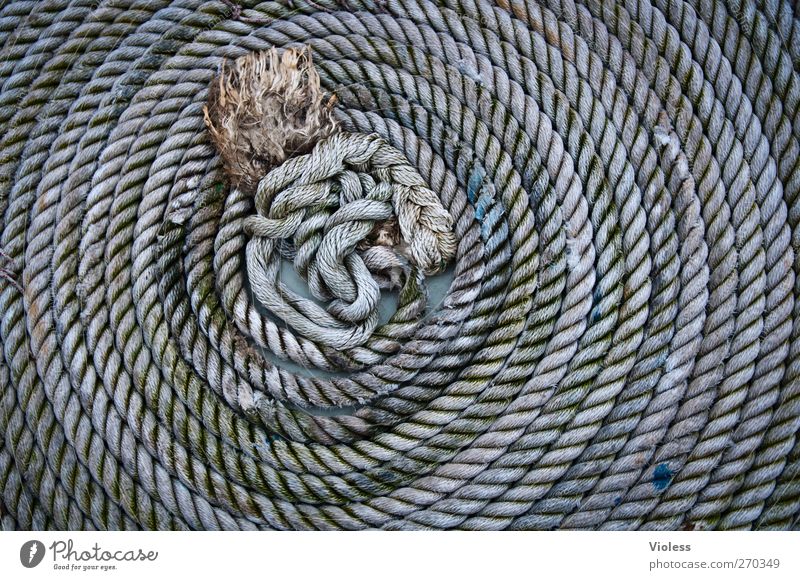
[296, 201]
[619, 347]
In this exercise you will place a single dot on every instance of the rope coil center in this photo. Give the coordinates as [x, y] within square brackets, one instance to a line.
[319, 210]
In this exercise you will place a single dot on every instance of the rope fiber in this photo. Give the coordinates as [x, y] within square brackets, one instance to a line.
[614, 185]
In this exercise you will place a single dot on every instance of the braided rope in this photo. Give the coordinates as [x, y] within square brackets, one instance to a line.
[619, 347]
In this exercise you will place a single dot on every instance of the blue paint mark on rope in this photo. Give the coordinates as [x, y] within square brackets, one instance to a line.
[662, 476]
[482, 197]
[484, 201]
[475, 183]
[492, 219]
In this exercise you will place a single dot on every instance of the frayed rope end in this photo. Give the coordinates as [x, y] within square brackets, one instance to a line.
[264, 108]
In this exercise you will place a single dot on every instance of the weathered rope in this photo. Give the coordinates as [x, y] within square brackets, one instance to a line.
[327, 207]
[619, 347]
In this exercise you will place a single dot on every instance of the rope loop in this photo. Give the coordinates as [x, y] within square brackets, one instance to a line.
[325, 205]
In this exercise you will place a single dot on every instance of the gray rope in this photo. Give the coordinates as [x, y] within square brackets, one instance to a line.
[327, 207]
[619, 347]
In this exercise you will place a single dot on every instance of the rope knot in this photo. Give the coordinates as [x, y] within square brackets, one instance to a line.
[322, 211]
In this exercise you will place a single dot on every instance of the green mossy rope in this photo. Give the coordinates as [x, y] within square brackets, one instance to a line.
[620, 344]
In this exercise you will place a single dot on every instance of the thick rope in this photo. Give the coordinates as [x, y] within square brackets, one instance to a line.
[619, 347]
[326, 206]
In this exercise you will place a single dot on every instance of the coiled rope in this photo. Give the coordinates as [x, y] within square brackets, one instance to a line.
[619, 347]
[298, 198]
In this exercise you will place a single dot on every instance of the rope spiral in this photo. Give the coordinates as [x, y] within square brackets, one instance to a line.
[619, 347]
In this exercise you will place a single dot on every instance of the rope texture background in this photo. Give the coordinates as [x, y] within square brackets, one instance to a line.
[619, 347]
